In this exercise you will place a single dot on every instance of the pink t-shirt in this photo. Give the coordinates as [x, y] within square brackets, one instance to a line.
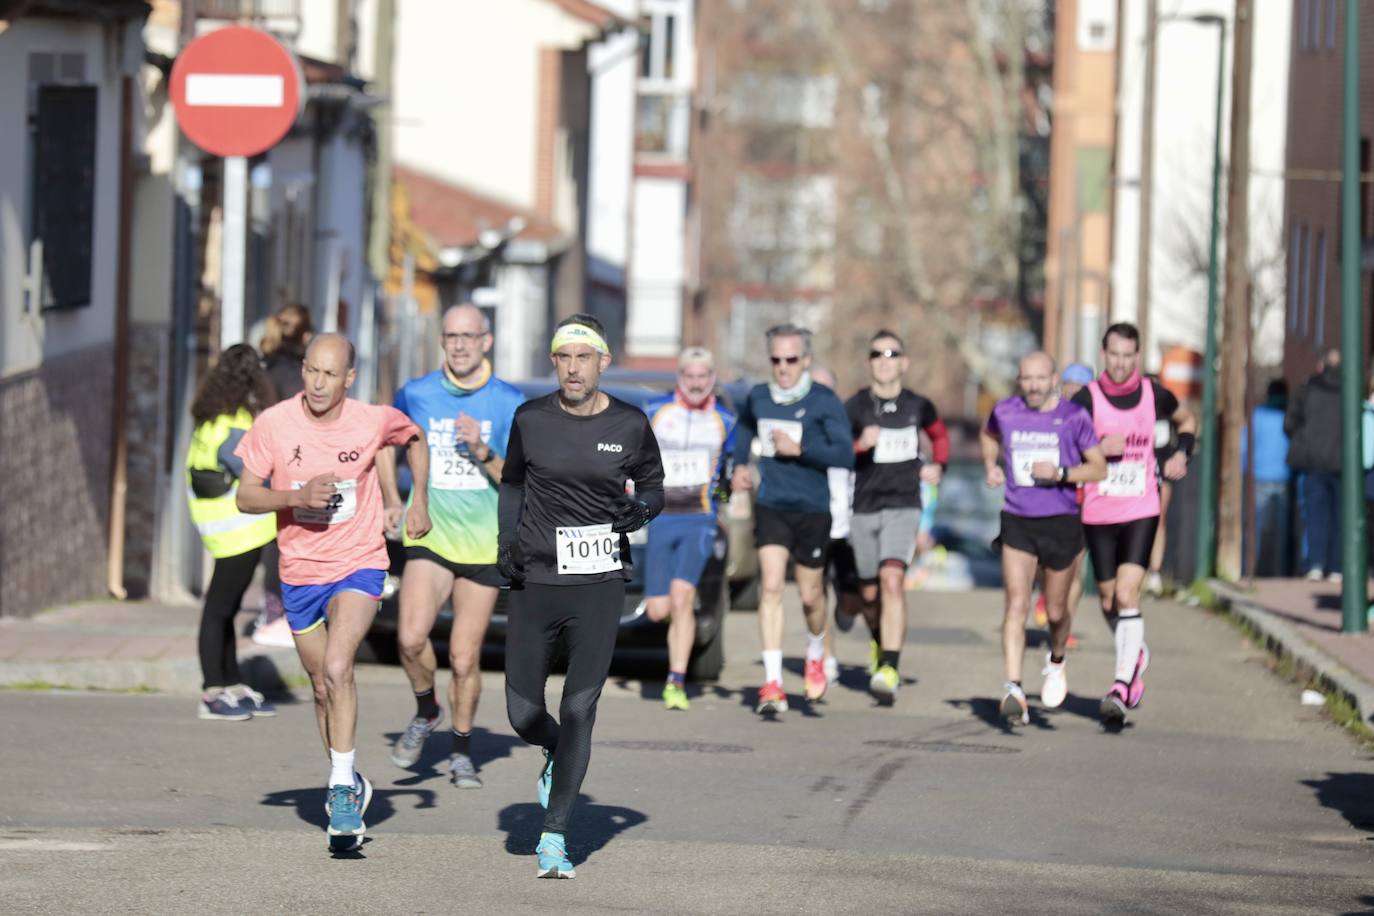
[289, 447]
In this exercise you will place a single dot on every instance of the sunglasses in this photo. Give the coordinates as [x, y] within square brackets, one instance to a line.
[884, 354]
[779, 360]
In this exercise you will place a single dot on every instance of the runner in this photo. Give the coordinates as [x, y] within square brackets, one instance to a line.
[802, 432]
[1121, 513]
[1047, 447]
[886, 421]
[1164, 447]
[839, 562]
[1071, 381]
[318, 451]
[696, 436]
[466, 413]
[564, 514]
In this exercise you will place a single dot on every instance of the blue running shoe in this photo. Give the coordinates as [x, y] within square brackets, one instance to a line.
[553, 857]
[545, 782]
[362, 787]
[345, 811]
[223, 707]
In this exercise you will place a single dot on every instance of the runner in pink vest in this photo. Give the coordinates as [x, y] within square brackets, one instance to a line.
[1121, 513]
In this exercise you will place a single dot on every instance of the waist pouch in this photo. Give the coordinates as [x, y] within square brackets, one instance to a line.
[211, 484]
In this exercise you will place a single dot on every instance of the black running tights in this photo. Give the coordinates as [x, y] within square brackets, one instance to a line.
[219, 659]
[582, 621]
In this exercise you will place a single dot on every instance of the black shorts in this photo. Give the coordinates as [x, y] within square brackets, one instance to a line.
[481, 573]
[1120, 544]
[840, 568]
[806, 535]
[1055, 540]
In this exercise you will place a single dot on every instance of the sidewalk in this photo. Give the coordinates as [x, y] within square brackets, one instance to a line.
[127, 645]
[1303, 619]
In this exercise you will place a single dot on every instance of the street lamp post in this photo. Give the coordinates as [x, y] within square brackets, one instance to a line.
[1207, 514]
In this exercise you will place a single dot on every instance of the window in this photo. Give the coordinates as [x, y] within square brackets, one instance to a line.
[1319, 338]
[664, 123]
[783, 230]
[658, 58]
[63, 181]
[799, 99]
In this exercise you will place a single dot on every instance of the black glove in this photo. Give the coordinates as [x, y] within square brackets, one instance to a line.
[510, 562]
[630, 515]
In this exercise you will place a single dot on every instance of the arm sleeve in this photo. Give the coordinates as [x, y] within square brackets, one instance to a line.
[256, 451]
[510, 501]
[647, 471]
[939, 441]
[833, 448]
[930, 498]
[745, 430]
[227, 459]
[397, 428]
[727, 448]
[856, 422]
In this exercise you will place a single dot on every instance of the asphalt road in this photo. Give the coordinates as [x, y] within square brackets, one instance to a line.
[1224, 795]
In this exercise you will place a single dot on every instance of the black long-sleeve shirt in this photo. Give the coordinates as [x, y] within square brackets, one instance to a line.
[564, 471]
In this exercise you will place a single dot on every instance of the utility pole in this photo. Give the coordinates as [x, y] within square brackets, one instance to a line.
[1354, 560]
[379, 232]
[1235, 357]
[1147, 178]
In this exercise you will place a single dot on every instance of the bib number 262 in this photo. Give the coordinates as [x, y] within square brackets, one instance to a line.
[587, 550]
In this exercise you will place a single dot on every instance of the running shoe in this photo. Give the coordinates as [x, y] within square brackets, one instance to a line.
[875, 657]
[553, 857]
[1334, 578]
[408, 747]
[462, 773]
[222, 706]
[1114, 705]
[1013, 707]
[363, 788]
[832, 669]
[844, 620]
[816, 682]
[772, 699]
[884, 683]
[1314, 574]
[1042, 616]
[674, 696]
[1071, 642]
[250, 699]
[1055, 688]
[544, 784]
[345, 811]
[1136, 690]
[275, 634]
[1154, 585]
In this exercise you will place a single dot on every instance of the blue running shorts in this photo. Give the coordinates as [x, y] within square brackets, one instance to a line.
[307, 605]
[678, 548]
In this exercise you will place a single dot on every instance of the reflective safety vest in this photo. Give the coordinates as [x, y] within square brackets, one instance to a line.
[226, 531]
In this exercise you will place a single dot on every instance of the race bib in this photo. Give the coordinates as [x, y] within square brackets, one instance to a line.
[1124, 478]
[897, 445]
[587, 550]
[792, 428]
[450, 469]
[1023, 459]
[686, 467]
[343, 505]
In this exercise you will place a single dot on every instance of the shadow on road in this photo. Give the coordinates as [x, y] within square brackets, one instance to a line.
[487, 746]
[987, 710]
[596, 825]
[1352, 794]
[309, 803]
[1366, 901]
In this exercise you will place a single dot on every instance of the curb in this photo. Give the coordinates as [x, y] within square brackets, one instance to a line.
[265, 670]
[1283, 639]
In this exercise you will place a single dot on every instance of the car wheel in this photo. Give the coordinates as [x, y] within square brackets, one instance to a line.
[744, 596]
[708, 658]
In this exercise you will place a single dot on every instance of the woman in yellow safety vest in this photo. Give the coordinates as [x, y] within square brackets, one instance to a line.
[229, 397]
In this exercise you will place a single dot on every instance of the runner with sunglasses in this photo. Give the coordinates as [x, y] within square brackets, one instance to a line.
[886, 420]
[802, 432]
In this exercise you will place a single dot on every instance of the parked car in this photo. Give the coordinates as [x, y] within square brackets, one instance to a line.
[639, 637]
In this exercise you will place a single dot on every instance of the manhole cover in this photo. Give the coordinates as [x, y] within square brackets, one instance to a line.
[682, 747]
[944, 747]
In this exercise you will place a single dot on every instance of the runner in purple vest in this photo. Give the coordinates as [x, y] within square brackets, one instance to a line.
[1047, 447]
[1121, 513]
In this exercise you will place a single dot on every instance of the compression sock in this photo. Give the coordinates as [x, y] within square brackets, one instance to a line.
[340, 768]
[772, 665]
[815, 647]
[1130, 636]
[462, 742]
[426, 707]
[677, 677]
[890, 658]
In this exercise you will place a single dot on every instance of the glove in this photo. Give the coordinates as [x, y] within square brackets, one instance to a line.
[630, 515]
[510, 562]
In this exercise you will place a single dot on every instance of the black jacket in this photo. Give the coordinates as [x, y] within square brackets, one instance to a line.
[1313, 424]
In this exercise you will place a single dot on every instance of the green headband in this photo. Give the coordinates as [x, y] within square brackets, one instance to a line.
[578, 334]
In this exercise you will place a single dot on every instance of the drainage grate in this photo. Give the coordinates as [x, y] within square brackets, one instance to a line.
[679, 747]
[944, 747]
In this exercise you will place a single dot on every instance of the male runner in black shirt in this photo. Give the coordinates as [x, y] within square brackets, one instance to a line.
[564, 514]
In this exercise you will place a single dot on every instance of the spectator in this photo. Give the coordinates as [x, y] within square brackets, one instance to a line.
[1313, 425]
[283, 348]
[1272, 512]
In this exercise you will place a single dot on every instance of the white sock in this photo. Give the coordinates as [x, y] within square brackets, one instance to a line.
[815, 647]
[340, 767]
[772, 665]
[1130, 636]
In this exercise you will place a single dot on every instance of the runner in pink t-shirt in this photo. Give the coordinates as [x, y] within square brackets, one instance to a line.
[310, 460]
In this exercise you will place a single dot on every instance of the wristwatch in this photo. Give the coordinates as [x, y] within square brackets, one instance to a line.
[1063, 475]
[491, 455]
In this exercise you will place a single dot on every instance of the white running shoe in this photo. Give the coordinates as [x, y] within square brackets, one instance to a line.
[1154, 585]
[1313, 575]
[1055, 688]
[1013, 706]
[276, 634]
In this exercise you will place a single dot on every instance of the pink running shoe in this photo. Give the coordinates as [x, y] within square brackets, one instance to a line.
[1114, 705]
[772, 699]
[1137, 687]
[816, 681]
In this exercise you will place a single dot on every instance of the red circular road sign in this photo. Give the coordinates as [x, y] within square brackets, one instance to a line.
[237, 91]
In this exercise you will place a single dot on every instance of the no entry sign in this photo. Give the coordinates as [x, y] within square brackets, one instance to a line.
[237, 91]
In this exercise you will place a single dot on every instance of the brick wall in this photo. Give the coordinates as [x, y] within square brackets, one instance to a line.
[55, 481]
[148, 367]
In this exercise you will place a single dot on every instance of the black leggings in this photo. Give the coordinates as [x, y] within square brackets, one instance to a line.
[582, 620]
[219, 658]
